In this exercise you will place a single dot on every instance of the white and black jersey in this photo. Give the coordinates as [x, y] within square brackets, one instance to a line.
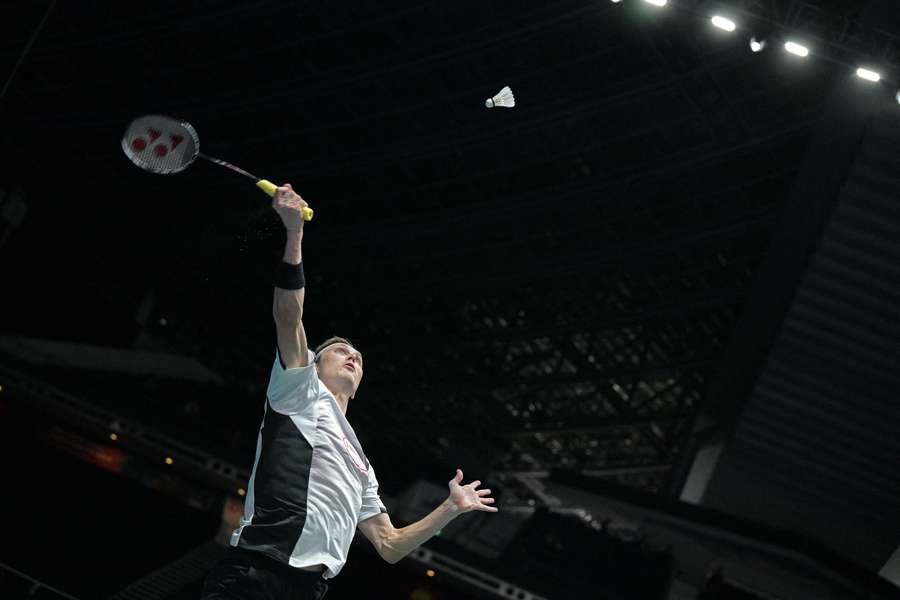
[311, 483]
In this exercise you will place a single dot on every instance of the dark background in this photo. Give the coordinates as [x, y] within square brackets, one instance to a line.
[552, 287]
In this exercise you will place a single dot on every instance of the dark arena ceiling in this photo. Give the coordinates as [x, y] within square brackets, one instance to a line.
[546, 286]
[551, 287]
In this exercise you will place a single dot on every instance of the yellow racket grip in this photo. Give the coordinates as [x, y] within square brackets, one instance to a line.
[269, 188]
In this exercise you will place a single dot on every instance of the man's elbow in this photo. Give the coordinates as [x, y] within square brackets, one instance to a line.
[388, 552]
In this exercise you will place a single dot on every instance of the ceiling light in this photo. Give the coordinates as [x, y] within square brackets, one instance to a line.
[795, 48]
[656, 2]
[757, 45]
[868, 75]
[723, 23]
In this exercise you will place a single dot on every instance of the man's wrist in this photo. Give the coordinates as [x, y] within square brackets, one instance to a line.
[292, 247]
[289, 276]
[450, 507]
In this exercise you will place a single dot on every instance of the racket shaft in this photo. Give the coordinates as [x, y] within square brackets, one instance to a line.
[228, 165]
[265, 185]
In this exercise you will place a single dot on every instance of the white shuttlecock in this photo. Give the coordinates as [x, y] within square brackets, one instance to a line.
[503, 98]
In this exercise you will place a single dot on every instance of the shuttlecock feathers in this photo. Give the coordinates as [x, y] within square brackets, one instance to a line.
[503, 98]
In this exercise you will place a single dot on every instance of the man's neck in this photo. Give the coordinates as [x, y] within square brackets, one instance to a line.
[342, 398]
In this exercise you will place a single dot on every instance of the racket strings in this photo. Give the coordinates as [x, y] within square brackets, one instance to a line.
[160, 144]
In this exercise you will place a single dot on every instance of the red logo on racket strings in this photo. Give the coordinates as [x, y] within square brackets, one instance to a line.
[354, 456]
[139, 144]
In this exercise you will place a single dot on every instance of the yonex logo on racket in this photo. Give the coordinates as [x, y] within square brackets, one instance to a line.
[139, 144]
[160, 144]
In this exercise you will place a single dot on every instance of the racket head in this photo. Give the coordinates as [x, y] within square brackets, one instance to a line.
[161, 144]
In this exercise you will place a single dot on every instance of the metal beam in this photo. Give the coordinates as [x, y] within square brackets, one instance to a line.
[588, 425]
[190, 461]
[603, 472]
[703, 301]
[469, 575]
[100, 358]
[508, 380]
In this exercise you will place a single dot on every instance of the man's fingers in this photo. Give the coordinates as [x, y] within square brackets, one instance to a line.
[289, 200]
[286, 191]
[484, 492]
[486, 508]
[487, 500]
[475, 483]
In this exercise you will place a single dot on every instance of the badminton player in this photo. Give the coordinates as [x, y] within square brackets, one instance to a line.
[312, 486]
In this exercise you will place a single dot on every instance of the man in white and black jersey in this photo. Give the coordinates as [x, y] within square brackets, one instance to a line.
[312, 486]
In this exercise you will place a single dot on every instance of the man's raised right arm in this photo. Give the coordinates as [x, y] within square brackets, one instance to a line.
[287, 304]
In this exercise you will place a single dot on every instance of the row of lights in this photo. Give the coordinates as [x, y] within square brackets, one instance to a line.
[758, 45]
[115, 437]
[169, 460]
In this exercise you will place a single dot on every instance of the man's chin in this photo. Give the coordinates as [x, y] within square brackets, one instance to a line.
[349, 377]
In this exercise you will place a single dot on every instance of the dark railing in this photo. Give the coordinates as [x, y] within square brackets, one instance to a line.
[16, 584]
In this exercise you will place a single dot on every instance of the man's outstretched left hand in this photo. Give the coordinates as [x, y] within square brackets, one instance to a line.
[468, 497]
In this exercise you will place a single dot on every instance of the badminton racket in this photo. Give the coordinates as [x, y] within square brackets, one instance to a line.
[165, 145]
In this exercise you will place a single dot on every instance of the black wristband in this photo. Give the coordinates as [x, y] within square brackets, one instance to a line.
[289, 277]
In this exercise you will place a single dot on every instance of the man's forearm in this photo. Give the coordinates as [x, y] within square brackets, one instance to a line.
[288, 304]
[292, 252]
[406, 539]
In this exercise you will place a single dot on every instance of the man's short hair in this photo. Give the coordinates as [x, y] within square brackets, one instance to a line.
[333, 340]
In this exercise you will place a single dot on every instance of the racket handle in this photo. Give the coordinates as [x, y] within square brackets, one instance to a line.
[269, 188]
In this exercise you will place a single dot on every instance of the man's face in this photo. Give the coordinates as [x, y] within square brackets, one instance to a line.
[341, 363]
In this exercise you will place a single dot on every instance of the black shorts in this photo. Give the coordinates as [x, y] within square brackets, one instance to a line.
[253, 576]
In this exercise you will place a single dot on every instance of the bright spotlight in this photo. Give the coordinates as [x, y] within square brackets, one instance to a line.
[616, 1]
[898, 96]
[723, 23]
[868, 75]
[757, 45]
[797, 49]
[657, 2]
